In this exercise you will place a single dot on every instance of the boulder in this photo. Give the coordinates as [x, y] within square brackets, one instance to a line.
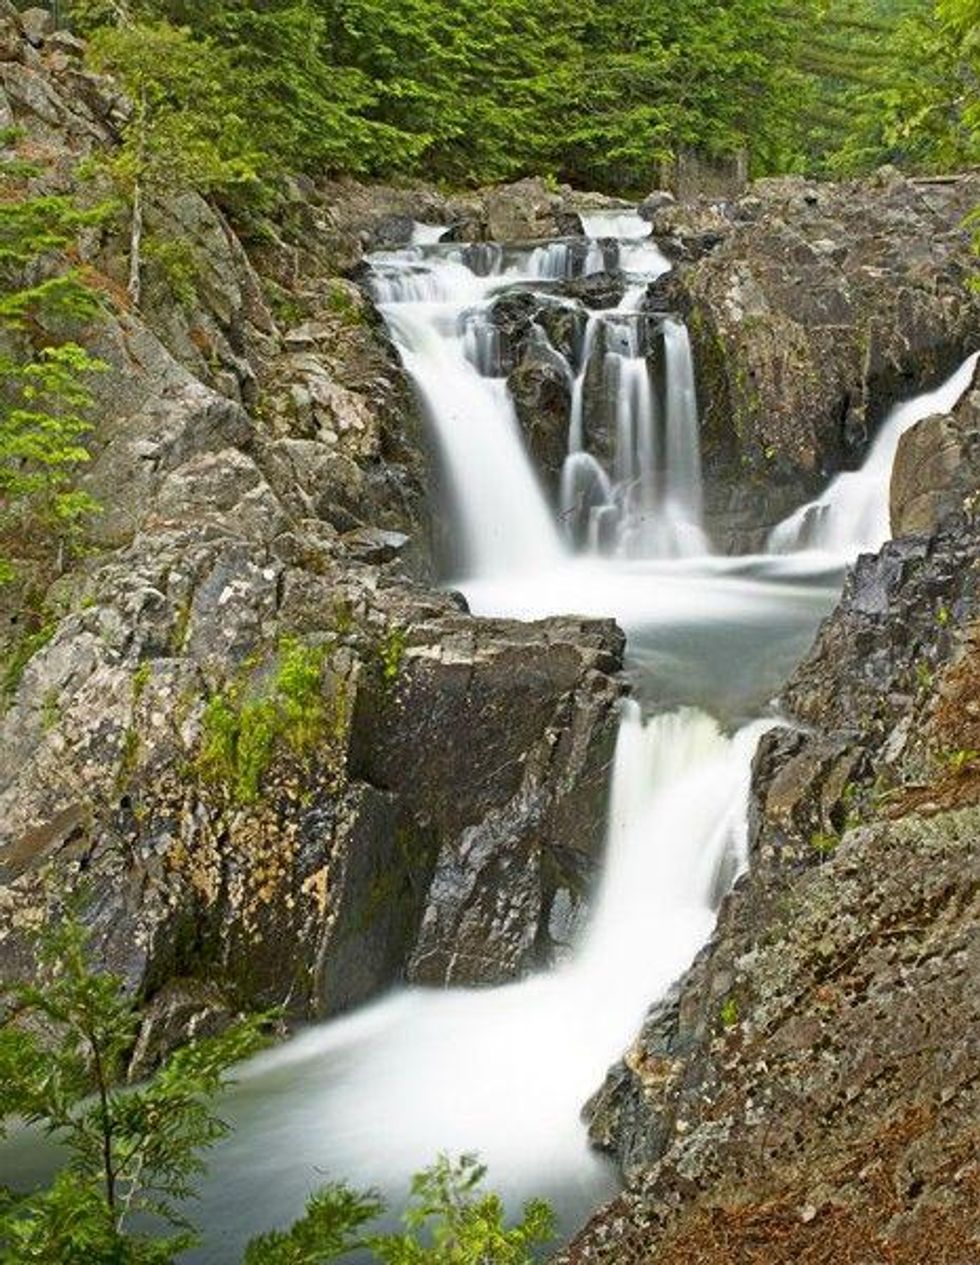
[37, 24]
[523, 211]
[937, 468]
[816, 308]
[541, 386]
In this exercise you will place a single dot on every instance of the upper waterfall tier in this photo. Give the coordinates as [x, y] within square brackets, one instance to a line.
[631, 483]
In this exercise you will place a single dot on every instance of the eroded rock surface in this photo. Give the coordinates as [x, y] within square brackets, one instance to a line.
[813, 308]
[810, 1078]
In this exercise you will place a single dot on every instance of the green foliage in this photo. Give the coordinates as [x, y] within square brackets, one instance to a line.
[42, 424]
[449, 1221]
[43, 395]
[595, 92]
[330, 1227]
[824, 843]
[729, 1012]
[920, 108]
[391, 652]
[133, 1152]
[174, 259]
[243, 728]
[183, 131]
[20, 655]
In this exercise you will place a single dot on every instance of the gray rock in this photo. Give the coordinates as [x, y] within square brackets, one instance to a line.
[937, 468]
[816, 308]
[37, 24]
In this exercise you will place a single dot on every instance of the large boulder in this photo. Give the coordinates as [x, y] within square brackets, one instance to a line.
[525, 210]
[813, 308]
[937, 467]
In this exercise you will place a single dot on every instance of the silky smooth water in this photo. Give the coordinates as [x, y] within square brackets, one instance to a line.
[851, 516]
[505, 1071]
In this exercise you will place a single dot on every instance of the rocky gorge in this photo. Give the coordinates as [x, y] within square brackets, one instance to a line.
[285, 767]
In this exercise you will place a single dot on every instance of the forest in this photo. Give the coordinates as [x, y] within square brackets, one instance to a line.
[596, 94]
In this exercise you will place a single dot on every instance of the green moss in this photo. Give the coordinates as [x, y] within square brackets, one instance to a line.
[20, 655]
[177, 266]
[141, 678]
[729, 1012]
[824, 843]
[924, 675]
[244, 728]
[342, 304]
[128, 757]
[50, 709]
[391, 653]
[955, 761]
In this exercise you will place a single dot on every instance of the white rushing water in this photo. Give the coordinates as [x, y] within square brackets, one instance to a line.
[631, 383]
[507, 1070]
[851, 517]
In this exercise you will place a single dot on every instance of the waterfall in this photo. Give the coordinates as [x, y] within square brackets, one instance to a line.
[852, 515]
[637, 495]
[374, 1095]
[508, 1069]
[653, 502]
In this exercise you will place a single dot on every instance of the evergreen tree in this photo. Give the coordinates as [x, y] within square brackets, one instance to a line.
[133, 1152]
[43, 396]
[183, 131]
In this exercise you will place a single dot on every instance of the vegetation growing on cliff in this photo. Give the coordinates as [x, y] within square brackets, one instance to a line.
[133, 1154]
[244, 727]
[43, 372]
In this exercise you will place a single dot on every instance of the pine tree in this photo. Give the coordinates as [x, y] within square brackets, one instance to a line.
[43, 395]
[134, 1152]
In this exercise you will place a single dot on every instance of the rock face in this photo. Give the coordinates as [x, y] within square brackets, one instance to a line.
[937, 467]
[279, 769]
[812, 309]
[808, 1081]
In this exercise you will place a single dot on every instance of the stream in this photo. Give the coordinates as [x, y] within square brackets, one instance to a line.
[375, 1095]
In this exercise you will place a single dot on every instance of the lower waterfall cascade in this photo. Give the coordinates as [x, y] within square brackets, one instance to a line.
[375, 1095]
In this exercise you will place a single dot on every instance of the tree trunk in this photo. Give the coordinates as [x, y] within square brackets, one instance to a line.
[135, 287]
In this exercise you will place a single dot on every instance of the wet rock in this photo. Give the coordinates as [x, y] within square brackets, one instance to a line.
[655, 202]
[523, 211]
[816, 309]
[373, 545]
[937, 468]
[391, 233]
[501, 799]
[793, 1057]
[542, 390]
[597, 291]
